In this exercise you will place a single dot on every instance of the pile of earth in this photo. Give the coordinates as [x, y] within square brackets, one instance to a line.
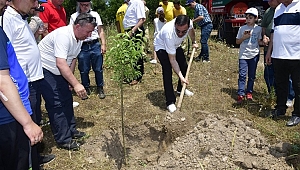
[209, 142]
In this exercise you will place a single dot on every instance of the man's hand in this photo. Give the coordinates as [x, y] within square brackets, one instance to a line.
[80, 91]
[183, 80]
[268, 59]
[34, 132]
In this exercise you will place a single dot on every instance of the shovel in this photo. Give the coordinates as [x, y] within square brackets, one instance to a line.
[186, 77]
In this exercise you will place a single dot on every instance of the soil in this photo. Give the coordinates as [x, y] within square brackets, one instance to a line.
[199, 140]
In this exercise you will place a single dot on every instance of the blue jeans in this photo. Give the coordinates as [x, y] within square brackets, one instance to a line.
[205, 34]
[269, 76]
[245, 66]
[58, 100]
[90, 55]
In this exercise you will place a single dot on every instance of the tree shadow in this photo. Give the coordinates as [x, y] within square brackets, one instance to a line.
[157, 98]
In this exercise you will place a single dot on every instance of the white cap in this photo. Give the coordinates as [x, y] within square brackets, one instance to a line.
[159, 10]
[252, 11]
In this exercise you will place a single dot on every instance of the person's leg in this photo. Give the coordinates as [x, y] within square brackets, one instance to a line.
[205, 34]
[252, 65]
[180, 58]
[243, 69]
[295, 76]
[291, 94]
[24, 149]
[282, 80]
[167, 76]
[84, 66]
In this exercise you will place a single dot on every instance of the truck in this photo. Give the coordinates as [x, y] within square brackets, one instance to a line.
[228, 15]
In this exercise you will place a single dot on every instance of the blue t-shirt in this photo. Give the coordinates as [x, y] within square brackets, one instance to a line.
[8, 60]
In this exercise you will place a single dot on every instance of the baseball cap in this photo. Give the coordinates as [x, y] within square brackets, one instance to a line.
[252, 11]
[188, 2]
[160, 10]
[43, 1]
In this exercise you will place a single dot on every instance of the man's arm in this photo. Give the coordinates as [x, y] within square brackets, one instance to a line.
[138, 25]
[193, 38]
[270, 49]
[66, 72]
[102, 38]
[15, 106]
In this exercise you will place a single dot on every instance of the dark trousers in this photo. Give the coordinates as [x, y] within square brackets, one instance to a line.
[283, 69]
[14, 147]
[269, 75]
[167, 72]
[59, 104]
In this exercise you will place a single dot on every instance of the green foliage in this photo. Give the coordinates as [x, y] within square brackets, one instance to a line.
[123, 55]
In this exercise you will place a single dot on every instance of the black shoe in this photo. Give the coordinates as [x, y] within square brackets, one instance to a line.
[88, 90]
[101, 94]
[274, 114]
[46, 159]
[72, 145]
[295, 120]
[77, 134]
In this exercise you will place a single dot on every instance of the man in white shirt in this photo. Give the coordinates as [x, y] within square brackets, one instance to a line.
[170, 54]
[91, 50]
[59, 50]
[133, 22]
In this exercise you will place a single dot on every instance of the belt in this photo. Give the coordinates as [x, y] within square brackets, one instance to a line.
[90, 42]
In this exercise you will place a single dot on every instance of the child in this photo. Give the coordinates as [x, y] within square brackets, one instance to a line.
[249, 37]
[159, 22]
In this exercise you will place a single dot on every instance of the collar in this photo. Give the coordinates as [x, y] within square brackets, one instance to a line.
[23, 16]
[16, 13]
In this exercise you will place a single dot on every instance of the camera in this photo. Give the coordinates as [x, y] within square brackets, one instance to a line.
[40, 9]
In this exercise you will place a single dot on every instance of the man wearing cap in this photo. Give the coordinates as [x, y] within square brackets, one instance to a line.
[59, 50]
[284, 54]
[120, 16]
[92, 51]
[178, 9]
[133, 21]
[202, 18]
[170, 54]
[54, 15]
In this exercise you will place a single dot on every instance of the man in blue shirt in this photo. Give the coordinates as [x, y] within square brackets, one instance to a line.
[17, 130]
[202, 18]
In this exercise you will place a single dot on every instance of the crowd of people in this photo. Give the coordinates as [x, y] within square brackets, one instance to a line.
[39, 60]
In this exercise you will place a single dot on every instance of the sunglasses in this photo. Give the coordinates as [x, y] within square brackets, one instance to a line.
[178, 31]
[89, 19]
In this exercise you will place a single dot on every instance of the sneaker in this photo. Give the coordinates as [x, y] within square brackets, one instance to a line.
[46, 159]
[77, 134]
[289, 103]
[240, 99]
[274, 114]
[249, 96]
[101, 93]
[72, 145]
[295, 120]
[171, 108]
[153, 61]
[186, 92]
[206, 61]
[75, 104]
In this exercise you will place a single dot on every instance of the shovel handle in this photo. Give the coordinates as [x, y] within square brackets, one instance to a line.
[186, 77]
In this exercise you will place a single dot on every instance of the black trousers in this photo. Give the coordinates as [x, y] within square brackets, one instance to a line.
[167, 72]
[283, 69]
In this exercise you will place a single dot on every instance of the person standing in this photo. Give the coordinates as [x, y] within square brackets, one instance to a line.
[171, 56]
[202, 18]
[120, 16]
[92, 51]
[54, 15]
[178, 9]
[133, 23]
[266, 25]
[284, 54]
[249, 37]
[59, 50]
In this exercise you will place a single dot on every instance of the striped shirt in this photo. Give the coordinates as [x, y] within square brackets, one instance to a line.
[286, 31]
[200, 10]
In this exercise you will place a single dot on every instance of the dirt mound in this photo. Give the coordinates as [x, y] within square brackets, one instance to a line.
[215, 142]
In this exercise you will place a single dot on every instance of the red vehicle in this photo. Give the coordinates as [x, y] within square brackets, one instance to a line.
[228, 15]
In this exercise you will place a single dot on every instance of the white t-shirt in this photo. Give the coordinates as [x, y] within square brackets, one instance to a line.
[23, 41]
[286, 44]
[249, 48]
[60, 43]
[167, 38]
[158, 25]
[95, 34]
[134, 12]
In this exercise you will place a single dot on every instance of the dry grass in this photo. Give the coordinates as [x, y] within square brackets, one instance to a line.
[214, 85]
